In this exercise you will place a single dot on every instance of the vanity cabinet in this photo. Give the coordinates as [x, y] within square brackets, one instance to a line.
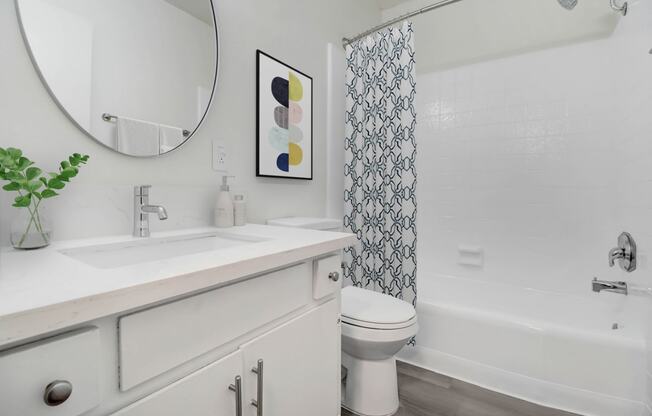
[278, 332]
[292, 370]
[182, 330]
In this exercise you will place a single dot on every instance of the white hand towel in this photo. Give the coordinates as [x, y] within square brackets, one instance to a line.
[170, 137]
[137, 137]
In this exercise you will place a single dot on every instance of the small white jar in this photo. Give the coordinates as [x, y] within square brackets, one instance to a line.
[239, 210]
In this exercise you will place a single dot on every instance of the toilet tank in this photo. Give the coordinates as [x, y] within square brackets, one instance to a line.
[323, 224]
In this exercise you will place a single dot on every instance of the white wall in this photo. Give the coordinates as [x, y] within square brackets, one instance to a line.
[477, 30]
[100, 199]
[335, 131]
[541, 160]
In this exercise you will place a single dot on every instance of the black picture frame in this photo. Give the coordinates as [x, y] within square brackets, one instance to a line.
[260, 54]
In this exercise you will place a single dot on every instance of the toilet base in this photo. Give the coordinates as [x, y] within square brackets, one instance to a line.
[371, 387]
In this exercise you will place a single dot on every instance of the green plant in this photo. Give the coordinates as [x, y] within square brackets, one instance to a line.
[32, 186]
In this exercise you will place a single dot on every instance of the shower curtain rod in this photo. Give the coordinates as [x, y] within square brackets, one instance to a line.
[348, 41]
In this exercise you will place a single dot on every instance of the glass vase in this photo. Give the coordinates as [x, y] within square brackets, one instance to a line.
[30, 229]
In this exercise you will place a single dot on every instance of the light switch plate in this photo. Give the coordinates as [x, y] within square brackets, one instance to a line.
[220, 157]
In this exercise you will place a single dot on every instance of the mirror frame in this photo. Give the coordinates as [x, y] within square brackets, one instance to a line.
[37, 68]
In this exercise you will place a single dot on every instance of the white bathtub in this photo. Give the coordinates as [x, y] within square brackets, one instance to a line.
[554, 349]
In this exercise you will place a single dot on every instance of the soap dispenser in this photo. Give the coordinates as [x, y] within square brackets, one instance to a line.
[224, 205]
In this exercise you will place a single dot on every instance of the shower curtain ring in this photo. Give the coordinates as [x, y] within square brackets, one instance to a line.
[622, 9]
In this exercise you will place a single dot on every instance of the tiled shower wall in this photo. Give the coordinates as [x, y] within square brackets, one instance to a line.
[539, 161]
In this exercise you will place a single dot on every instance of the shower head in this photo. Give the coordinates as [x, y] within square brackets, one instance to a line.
[568, 4]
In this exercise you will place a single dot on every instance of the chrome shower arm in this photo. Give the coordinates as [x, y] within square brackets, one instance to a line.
[620, 9]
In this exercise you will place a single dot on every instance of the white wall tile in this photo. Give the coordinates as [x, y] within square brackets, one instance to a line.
[541, 158]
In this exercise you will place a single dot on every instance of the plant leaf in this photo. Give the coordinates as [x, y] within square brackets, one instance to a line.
[45, 181]
[23, 163]
[23, 201]
[56, 184]
[15, 176]
[34, 186]
[48, 193]
[37, 194]
[69, 172]
[65, 164]
[13, 186]
[32, 173]
[14, 153]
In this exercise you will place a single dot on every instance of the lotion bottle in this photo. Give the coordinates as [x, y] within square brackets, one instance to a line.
[224, 206]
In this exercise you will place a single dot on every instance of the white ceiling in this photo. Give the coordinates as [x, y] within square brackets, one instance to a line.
[201, 9]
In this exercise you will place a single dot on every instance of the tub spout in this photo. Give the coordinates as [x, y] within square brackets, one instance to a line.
[608, 286]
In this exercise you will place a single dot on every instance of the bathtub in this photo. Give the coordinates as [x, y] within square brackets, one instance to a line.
[580, 353]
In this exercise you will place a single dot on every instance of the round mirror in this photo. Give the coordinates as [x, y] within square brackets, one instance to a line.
[136, 75]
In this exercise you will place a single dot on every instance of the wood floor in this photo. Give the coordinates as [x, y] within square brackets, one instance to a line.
[424, 393]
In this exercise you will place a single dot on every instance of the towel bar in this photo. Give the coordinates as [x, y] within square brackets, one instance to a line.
[110, 118]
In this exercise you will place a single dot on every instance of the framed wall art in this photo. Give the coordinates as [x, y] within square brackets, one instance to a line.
[283, 120]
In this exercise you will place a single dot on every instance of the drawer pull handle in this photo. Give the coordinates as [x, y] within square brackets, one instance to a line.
[57, 392]
[258, 402]
[237, 388]
[334, 276]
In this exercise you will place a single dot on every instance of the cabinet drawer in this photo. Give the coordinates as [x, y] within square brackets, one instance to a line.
[323, 285]
[161, 338]
[203, 393]
[25, 372]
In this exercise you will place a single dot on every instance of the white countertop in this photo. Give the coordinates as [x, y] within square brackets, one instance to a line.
[44, 290]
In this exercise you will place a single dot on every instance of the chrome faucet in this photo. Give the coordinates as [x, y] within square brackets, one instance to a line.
[142, 209]
[607, 286]
[625, 253]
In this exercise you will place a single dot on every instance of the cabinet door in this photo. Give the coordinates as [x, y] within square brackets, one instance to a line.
[203, 393]
[301, 366]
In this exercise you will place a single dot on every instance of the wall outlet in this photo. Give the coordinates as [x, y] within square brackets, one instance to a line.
[220, 157]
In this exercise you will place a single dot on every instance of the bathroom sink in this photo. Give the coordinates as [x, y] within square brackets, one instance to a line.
[113, 255]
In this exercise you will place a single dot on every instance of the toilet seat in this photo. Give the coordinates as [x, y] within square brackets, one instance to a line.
[368, 309]
[376, 325]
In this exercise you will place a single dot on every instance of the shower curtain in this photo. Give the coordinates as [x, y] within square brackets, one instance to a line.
[380, 204]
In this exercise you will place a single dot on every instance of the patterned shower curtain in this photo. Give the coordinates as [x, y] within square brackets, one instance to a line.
[380, 204]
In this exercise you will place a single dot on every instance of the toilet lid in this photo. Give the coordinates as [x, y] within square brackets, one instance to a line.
[361, 306]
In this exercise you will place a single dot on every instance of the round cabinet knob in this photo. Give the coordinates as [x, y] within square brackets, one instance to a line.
[334, 276]
[57, 392]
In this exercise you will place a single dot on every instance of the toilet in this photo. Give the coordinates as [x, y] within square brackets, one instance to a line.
[374, 328]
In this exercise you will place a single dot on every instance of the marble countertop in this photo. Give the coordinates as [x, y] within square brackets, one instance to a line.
[44, 290]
